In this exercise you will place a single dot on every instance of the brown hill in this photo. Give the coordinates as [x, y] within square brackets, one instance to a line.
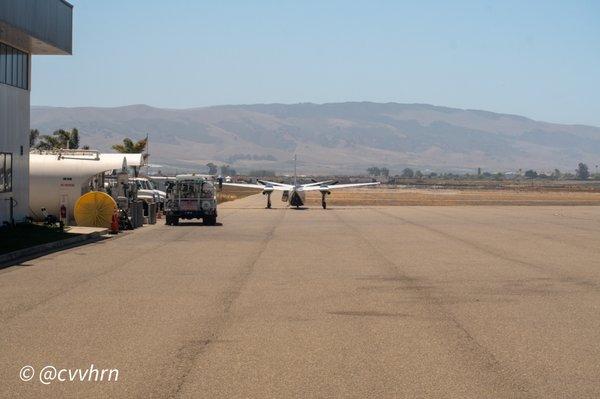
[333, 138]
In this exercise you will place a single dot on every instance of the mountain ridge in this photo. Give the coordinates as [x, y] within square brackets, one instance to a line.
[432, 106]
[332, 137]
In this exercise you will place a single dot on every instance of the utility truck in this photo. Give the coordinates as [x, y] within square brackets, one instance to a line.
[191, 197]
[147, 192]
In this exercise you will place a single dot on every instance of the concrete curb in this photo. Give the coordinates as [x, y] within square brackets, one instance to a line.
[50, 247]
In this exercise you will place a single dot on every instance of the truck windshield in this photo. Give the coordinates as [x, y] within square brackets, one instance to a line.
[143, 185]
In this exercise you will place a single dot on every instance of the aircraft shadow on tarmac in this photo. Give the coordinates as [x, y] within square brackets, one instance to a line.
[197, 224]
[302, 208]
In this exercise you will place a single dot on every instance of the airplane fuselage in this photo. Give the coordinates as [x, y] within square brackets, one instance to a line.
[296, 197]
[295, 194]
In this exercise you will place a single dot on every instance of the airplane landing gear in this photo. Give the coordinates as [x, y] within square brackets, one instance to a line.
[268, 200]
[323, 202]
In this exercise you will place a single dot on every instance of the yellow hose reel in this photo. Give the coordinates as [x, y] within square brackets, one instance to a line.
[95, 209]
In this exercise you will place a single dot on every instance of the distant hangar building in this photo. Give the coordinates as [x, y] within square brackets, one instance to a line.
[27, 27]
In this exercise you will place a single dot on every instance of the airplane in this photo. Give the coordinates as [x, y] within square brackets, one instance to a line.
[295, 194]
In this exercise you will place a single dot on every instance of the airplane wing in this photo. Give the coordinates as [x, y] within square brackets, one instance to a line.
[279, 187]
[318, 183]
[272, 183]
[336, 186]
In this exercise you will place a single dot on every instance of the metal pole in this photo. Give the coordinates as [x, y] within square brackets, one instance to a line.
[11, 204]
[295, 170]
[147, 154]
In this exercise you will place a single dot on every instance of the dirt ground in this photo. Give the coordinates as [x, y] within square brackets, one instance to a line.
[232, 193]
[400, 196]
[446, 197]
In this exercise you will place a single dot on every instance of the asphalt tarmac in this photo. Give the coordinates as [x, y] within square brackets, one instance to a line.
[382, 302]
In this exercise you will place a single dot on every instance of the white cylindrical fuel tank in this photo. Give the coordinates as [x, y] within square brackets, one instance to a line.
[57, 179]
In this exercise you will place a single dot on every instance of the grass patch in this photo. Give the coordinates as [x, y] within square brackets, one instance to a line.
[28, 235]
[452, 197]
[226, 197]
[229, 193]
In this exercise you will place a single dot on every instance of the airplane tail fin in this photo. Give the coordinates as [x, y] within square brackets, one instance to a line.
[295, 170]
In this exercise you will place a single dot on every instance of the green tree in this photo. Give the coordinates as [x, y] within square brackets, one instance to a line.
[49, 143]
[582, 172]
[408, 172]
[262, 173]
[212, 168]
[374, 171]
[60, 139]
[34, 135]
[70, 138]
[129, 147]
[531, 174]
[226, 170]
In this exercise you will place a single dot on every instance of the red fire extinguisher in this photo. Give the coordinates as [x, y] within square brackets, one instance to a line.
[63, 212]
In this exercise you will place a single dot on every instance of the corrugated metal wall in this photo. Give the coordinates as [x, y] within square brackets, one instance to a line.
[50, 21]
[14, 134]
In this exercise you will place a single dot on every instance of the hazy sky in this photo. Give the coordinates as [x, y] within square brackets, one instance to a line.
[536, 58]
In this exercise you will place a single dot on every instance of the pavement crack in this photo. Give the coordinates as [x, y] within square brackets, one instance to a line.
[470, 244]
[545, 269]
[472, 352]
[10, 314]
[188, 354]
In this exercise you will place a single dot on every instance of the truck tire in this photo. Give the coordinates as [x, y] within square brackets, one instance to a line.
[172, 220]
[209, 220]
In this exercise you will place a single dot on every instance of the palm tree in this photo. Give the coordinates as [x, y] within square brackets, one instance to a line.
[70, 139]
[129, 147]
[49, 143]
[34, 135]
[60, 139]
